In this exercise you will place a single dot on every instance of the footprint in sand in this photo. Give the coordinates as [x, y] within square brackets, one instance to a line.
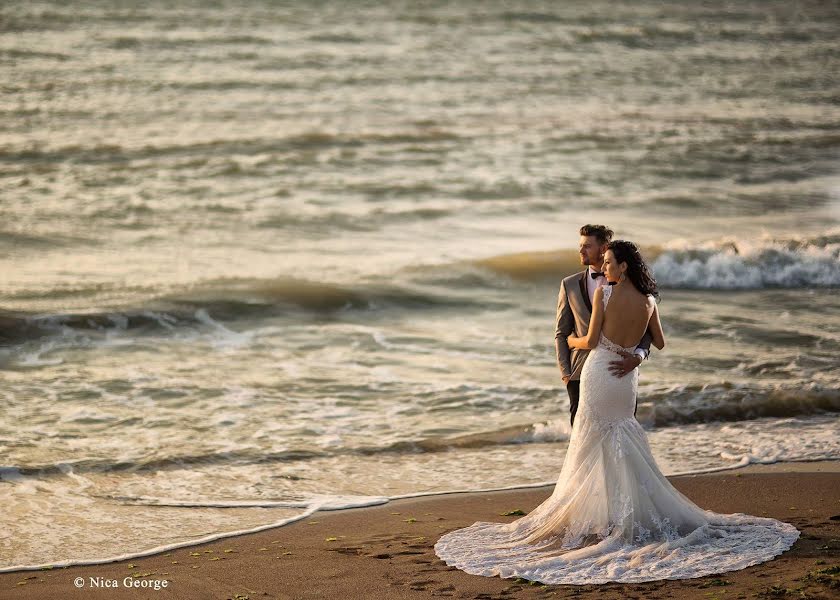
[353, 551]
[421, 585]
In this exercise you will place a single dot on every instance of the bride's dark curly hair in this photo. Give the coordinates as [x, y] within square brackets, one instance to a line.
[637, 270]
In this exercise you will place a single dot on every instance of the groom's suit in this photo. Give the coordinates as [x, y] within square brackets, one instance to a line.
[574, 310]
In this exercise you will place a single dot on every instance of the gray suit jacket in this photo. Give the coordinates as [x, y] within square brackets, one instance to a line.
[573, 313]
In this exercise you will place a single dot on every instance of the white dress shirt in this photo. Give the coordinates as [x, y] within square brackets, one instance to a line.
[593, 283]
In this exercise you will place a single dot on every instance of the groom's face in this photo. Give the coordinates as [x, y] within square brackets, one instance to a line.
[591, 252]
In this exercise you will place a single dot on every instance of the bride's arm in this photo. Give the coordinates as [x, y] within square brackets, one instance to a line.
[595, 322]
[655, 327]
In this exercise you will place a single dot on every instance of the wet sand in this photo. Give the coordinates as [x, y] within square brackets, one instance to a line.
[386, 551]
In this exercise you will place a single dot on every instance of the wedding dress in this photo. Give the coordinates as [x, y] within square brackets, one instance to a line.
[613, 516]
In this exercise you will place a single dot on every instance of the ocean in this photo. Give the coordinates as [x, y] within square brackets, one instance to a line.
[263, 258]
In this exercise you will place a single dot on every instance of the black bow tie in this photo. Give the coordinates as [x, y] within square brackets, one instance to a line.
[596, 275]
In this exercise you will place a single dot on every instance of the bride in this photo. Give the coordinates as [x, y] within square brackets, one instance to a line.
[613, 516]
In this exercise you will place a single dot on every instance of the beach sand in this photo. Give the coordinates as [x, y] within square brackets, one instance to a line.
[386, 551]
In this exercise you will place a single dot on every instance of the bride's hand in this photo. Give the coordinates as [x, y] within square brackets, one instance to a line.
[570, 340]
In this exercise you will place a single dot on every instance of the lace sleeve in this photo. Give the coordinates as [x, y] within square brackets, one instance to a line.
[607, 292]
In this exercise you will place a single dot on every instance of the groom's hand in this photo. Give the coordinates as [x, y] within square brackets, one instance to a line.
[625, 364]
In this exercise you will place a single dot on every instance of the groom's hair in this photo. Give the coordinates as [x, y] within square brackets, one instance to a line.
[602, 233]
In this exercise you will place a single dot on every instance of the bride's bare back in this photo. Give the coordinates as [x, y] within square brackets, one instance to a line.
[627, 315]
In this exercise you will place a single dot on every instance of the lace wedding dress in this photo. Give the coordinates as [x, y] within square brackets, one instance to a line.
[613, 516]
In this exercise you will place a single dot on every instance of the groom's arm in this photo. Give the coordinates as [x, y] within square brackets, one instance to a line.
[564, 324]
[643, 349]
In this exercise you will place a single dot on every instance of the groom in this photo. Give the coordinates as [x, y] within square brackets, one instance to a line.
[574, 309]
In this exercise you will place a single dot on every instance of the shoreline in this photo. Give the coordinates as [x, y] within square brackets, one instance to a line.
[828, 465]
[386, 550]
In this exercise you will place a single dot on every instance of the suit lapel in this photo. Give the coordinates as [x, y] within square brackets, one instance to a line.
[584, 291]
